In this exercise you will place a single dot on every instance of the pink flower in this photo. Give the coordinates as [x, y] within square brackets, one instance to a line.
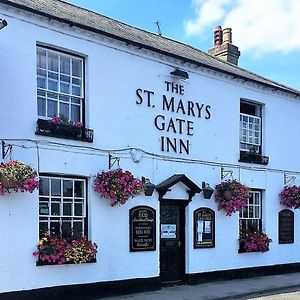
[117, 185]
[231, 196]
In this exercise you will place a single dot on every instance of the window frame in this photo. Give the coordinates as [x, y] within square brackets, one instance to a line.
[82, 97]
[257, 115]
[247, 220]
[84, 216]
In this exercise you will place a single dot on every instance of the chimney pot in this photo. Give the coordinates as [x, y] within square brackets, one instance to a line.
[218, 36]
[227, 35]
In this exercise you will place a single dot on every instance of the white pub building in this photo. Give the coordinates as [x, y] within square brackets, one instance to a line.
[83, 94]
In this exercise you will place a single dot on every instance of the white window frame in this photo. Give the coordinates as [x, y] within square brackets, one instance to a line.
[251, 129]
[70, 98]
[252, 213]
[49, 199]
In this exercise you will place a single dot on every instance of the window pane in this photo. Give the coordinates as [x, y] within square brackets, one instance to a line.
[76, 68]
[67, 209]
[41, 58]
[76, 81]
[68, 188]
[75, 100]
[76, 90]
[55, 209]
[78, 209]
[52, 61]
[257, 198]
[65, 88]
[64, 98]
[257, 214]
[77, 230]
[41, 106]
[52, 108]
[53, 76]
[41, 72]
[55, 228]
[55, 187]
[75, 113]
[64, 110]
[43, 228]
[41, 82]
[44, 186]
[52, 85]
[52, 95]
[78, 189]
[44, 208]
[66, 229]
[64, 64]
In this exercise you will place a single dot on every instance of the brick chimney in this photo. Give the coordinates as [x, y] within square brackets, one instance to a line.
[223, 47]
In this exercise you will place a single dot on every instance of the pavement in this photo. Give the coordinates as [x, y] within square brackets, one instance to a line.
[223, 290]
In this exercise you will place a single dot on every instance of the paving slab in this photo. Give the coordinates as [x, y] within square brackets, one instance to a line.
[221, 290]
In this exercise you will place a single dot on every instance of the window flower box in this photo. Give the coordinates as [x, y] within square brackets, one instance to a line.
[231, 196]
[290, 196]
[253, 157]
[73, 130]
[117, 186]
[53, 250]
[17, 176]
[253, 241]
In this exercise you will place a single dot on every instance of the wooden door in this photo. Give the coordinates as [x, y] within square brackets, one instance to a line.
[172, 241]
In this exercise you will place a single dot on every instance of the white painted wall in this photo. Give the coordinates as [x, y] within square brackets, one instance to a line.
[113, 74]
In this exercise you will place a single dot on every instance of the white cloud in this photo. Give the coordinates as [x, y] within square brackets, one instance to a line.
[207, 13]
[259, 26]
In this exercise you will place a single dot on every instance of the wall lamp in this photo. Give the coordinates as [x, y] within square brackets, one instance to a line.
[149, 186]
[207, 190]
[180, 74]
[3, 23]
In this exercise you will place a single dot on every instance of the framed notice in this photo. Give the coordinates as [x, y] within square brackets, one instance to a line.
[204, 228]
[168, 231]
[142, 220]
[286, 226]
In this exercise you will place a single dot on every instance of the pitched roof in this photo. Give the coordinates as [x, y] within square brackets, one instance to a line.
[92, 21]
[166, 184]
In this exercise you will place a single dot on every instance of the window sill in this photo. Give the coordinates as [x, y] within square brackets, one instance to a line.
[44, 127]
[253, 158]
[45, 263]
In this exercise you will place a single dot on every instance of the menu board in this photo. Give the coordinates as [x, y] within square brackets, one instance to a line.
[204, 228]
[286, 226]
[142, 221]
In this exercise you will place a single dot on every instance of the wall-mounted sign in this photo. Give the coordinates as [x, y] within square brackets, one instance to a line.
[142, 220]
[204, 228]
[286, 226]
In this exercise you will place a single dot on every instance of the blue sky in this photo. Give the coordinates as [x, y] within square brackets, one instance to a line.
[266, 31]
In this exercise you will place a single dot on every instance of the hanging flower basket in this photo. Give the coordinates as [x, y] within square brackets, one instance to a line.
[17, 176]
[231, 196]
[290, 196]
[8, 183]
[254, 241]
[52, 250]
[117, 186]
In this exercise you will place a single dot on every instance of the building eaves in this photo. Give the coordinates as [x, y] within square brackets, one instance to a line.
[97, 23]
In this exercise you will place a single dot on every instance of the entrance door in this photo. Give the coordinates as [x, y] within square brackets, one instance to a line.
[172, 246]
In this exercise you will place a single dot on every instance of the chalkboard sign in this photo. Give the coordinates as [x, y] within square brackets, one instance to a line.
[204, 228]
[142, 220]
[286, 226]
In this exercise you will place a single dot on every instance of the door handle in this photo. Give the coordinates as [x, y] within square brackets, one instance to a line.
[179, 243]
